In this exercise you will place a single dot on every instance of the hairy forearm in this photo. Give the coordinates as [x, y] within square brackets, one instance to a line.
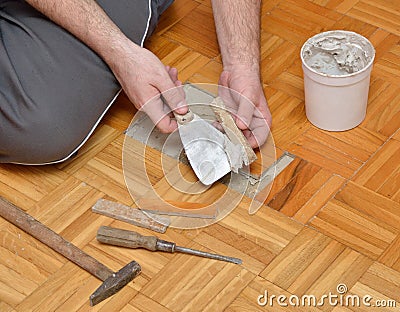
[238, 29]
[87, 21]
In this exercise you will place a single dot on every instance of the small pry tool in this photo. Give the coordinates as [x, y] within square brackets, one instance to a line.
[131, 239]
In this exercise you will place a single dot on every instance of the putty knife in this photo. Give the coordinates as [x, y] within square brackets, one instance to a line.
[204, 146]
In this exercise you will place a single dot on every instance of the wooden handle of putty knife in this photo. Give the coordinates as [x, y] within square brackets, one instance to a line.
[183, 119]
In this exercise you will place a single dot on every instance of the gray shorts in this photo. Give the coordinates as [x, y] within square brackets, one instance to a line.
[54, 90]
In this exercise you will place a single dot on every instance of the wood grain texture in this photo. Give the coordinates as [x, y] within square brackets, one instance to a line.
[361, 219]
[332, 216]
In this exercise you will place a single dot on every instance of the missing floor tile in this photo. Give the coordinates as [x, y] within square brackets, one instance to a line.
[245, 182]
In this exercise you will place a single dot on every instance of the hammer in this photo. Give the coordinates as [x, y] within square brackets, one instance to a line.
[112, 281]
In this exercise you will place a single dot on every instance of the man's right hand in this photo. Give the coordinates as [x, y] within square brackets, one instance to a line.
[140, 73]
[144, 78]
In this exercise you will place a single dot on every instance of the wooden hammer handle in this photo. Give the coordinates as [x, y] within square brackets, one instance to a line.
[27, 223]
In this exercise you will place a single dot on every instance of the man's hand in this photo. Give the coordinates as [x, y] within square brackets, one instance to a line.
[143, 78]
[238, 29]
[140, 73]
[248, 102]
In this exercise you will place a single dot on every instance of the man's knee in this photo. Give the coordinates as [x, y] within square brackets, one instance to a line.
[37, 140]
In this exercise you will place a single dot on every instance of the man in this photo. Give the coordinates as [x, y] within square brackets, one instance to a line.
[63, 63]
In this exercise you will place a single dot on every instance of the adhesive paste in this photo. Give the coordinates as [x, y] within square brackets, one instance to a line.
[337, 53]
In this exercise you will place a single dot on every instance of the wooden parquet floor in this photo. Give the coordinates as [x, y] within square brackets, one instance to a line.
[333, 216]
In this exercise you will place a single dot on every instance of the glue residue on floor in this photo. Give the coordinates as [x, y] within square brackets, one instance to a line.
[337, 53]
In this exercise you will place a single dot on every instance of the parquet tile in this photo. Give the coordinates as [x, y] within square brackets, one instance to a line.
[248, 299]
[276, 56]
[340, 152]
[271, 230]
[361, 219]
[332, 216]
[196, 31]
[380, 13]
[208, 74]
[170, 53]
[382, 172]
[381, 283]
[103, 136]
[185, 289]
[287, 110]
[104, 172]
[391, 256]
[24, 186]
[295, 21]
[301, 190]
[384, 110]
[120, 114]
[295, 269]
[57, 288]
[178, 10]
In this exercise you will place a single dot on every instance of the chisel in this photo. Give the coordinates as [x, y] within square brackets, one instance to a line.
[131, 239]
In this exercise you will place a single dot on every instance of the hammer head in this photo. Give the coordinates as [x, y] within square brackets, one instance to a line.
[115, 282]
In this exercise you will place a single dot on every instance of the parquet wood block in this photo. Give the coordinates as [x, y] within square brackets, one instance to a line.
[313, 263]
[178, 10]
[319, 199]
[44, 260]
[381, 13]
[198, 285]
[381, 283]
[255, 258]
[341, 6]
[302, 189]
[5, 307]
[383, 41]
[247, 300]
[290, 84]
[78, 301]
[267, 6]
[383, 110]
[268, 228]
[382, 172]
[396, 136]
[58, 288]
[104, 172]
[69, 201]
[276, 56]
[340, 152]
[360, 27]
[120, 113]
[208, 74]
[117, 257]
[184, 59]
[25, 185]
[102, 136]
[391, 256]
[296, 21]
[361, 219]
[196, 31]
[287, 110]
[115, 303]
[142, 303]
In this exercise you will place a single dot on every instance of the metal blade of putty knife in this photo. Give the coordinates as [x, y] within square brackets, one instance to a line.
[204, 146]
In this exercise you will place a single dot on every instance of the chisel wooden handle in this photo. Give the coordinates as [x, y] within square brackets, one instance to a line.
[123, 238]
[130, 239]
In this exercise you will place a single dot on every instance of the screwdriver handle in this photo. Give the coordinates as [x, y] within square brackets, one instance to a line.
[124, 238]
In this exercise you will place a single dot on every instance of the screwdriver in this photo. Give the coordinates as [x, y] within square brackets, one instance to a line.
[131, 239]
